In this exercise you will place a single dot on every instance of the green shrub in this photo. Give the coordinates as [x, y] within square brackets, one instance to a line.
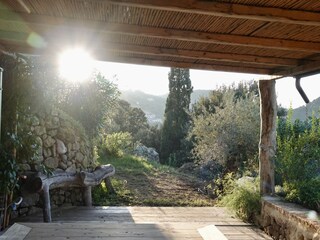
[116, 145]
[241, 196]
[298, 161]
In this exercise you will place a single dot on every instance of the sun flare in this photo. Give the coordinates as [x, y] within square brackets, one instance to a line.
[75, 65]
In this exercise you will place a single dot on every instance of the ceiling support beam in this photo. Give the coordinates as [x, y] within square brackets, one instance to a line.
[109, 56]
[268, 14]
[191, 65]
[301, 71]
[182, 53]
[42, 24]
[201, 55]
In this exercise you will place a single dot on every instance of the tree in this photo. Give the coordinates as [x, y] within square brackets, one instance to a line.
[230, 135]
[89, 102]
[176, 118]
[125, 118]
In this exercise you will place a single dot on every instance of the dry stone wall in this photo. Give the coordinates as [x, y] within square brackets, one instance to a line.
[62, 144]
[288, 221]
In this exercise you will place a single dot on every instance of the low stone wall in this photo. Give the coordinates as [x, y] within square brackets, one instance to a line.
[288, 221]
[63, 145]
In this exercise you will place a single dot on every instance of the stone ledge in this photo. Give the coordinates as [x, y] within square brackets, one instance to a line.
[283, 220]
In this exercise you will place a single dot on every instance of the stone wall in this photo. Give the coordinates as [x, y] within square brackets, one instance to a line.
[63, 145]
[288, 221]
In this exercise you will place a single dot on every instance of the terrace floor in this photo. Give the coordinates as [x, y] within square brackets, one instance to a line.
[133, 223]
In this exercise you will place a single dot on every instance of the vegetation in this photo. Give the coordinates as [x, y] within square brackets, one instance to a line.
[226, 128]
[90, 102]
[125, 118]
[298, 160]
[241, 196]
[115, 145]
[174, 147]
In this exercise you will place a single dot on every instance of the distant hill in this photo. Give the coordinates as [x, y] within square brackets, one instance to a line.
[154, 105]
[305, 111]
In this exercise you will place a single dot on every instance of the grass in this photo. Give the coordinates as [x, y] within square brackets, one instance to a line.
[141, 183]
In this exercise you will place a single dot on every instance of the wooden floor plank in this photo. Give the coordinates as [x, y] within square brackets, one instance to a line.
[130, 223]
[16, 232]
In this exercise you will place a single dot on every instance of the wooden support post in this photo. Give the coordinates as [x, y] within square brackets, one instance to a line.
[267, 148]
[109, 186]
[87, 198]
[46, 203]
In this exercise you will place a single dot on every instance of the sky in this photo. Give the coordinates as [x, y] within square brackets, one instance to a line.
[154, 80]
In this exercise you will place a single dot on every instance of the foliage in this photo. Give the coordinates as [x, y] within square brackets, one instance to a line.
[115, 145]
[126, 118]
[210, 104]
[26, 88]
[177, 120]
[8, 172]
[298, 160]
[102, 197]
[89, 102]
[241, 196]
[230, 135]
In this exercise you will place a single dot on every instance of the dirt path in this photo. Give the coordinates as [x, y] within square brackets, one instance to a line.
[160, 188]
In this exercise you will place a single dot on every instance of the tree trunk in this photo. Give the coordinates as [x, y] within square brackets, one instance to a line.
[267, 148]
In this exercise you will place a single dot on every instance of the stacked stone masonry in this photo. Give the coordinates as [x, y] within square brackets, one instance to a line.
[62, 144]
[287, 221]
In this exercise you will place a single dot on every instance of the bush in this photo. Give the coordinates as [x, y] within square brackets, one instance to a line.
[242, 196]
[115, 145]
[230, 135]
[298, 161]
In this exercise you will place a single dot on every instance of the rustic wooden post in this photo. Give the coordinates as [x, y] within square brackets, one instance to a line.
[46, 203]
[267, 148]
[87, 197]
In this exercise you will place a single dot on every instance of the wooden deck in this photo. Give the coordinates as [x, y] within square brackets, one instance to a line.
[133, 223]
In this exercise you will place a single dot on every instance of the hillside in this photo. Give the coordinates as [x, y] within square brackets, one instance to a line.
[305, 111]
[154, 105]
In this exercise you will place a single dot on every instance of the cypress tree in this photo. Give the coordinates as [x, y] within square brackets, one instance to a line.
[176, 117]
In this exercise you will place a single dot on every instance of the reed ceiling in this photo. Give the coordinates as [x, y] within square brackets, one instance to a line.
[272, 37]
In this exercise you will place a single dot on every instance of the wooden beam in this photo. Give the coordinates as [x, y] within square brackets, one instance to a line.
[43, 24]
[267, 146]
[105, 55]
[190, 65]
[306, 69]
[181, 53]
[201, 55]
[231, 10]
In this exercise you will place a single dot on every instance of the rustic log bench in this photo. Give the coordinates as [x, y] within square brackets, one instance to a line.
[41, 183]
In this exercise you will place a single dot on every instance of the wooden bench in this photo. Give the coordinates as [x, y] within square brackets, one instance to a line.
[41, 183]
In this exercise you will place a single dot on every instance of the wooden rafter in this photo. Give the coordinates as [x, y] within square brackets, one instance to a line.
[304, 69]
[166, 63]
[108, 55]
[183, 53]
[268, 14]
[43, 23]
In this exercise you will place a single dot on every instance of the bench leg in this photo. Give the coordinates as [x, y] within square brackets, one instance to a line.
[46, 204]
[87, 197]
[109, 186]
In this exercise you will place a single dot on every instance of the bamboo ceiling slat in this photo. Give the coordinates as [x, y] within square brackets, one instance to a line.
[295, 32]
